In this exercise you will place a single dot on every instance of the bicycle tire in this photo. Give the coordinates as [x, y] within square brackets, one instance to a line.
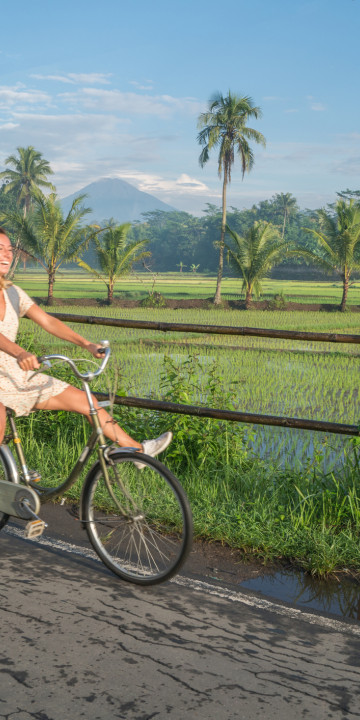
[145, 536]
[6, 462]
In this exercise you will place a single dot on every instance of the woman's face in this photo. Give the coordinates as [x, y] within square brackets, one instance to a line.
[6, 254]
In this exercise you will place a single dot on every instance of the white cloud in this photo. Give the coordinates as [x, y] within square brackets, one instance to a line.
[77, 78]
[188, 184]
[91, 78]
[12, 96]
[298, 152]
[314, 105]
[9, 126]
[67, 167]
[56, 78]
[132, 103]
[163, 187]
[318, 107]
[141, 86]
[349, 166]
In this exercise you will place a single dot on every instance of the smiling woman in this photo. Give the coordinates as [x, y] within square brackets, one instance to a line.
[22, 391]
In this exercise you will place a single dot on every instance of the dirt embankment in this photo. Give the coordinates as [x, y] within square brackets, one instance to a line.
[206, 304]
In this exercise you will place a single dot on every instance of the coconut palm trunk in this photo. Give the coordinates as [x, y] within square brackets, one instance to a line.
[217, 298]
[346, 278]
[110, 288]
[51, 282]
[248, 297]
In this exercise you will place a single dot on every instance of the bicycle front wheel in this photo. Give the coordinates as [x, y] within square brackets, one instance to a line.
[141, 527]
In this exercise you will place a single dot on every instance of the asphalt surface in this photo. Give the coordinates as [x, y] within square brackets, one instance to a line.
[77, 642]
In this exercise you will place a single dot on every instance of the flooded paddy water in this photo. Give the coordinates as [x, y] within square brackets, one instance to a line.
[335, 596]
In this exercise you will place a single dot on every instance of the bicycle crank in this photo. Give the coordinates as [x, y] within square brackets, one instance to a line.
[19, 501]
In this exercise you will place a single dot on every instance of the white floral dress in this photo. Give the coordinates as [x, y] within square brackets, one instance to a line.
[16, 390]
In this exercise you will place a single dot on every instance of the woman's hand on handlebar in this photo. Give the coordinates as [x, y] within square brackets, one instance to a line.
[96, 350]
[27, 361]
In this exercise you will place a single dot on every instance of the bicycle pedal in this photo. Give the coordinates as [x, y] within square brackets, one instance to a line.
[35, 528]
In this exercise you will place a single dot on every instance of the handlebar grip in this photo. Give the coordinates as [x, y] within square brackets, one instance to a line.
[43, 361]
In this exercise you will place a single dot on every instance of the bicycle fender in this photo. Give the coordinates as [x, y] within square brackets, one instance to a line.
[8, 462]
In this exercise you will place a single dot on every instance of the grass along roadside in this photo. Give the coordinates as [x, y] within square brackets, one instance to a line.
[307, 518]
[301, 515]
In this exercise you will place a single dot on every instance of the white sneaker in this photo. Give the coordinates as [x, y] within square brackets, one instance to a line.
[154, 447]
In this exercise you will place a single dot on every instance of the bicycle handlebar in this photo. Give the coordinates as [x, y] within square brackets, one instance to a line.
[82, 376]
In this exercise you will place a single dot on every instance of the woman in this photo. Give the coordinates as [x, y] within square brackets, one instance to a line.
[42, 392]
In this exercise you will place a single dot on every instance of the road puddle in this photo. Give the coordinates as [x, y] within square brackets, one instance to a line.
[337, 597]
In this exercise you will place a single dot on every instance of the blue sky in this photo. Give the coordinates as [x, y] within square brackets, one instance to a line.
[114, 89]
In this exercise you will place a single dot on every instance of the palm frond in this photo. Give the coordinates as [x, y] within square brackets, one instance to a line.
[84, 266]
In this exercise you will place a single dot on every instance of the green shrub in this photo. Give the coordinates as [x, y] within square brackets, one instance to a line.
[153, 300]
[278, 302]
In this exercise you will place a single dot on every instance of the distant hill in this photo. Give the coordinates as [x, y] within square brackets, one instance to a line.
[114, 198]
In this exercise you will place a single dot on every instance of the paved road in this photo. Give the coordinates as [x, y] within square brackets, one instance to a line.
[78, 643]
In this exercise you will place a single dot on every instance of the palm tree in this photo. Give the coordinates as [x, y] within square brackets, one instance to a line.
[50, 238]
[115, 255]
[224, 125]
[25, 179]
[338, 242]
[255, 254]
[288, 206]
[27, 175]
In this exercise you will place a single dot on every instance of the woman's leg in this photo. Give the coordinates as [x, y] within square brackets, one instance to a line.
[2, 422]
[75, 400]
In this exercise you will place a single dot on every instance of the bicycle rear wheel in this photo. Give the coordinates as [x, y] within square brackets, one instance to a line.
[142, 531]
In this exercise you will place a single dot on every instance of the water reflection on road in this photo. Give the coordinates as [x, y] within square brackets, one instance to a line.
[338, 597]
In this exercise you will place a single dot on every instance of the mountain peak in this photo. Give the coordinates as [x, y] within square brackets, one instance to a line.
[115, 198]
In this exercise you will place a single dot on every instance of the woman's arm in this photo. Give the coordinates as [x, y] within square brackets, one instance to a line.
[27, 361]
[59, 329]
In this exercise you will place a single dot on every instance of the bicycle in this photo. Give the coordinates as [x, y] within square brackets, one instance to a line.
[138, 521]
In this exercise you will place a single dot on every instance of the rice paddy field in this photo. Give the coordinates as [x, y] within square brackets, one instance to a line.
[182, 285]
[273, 492]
